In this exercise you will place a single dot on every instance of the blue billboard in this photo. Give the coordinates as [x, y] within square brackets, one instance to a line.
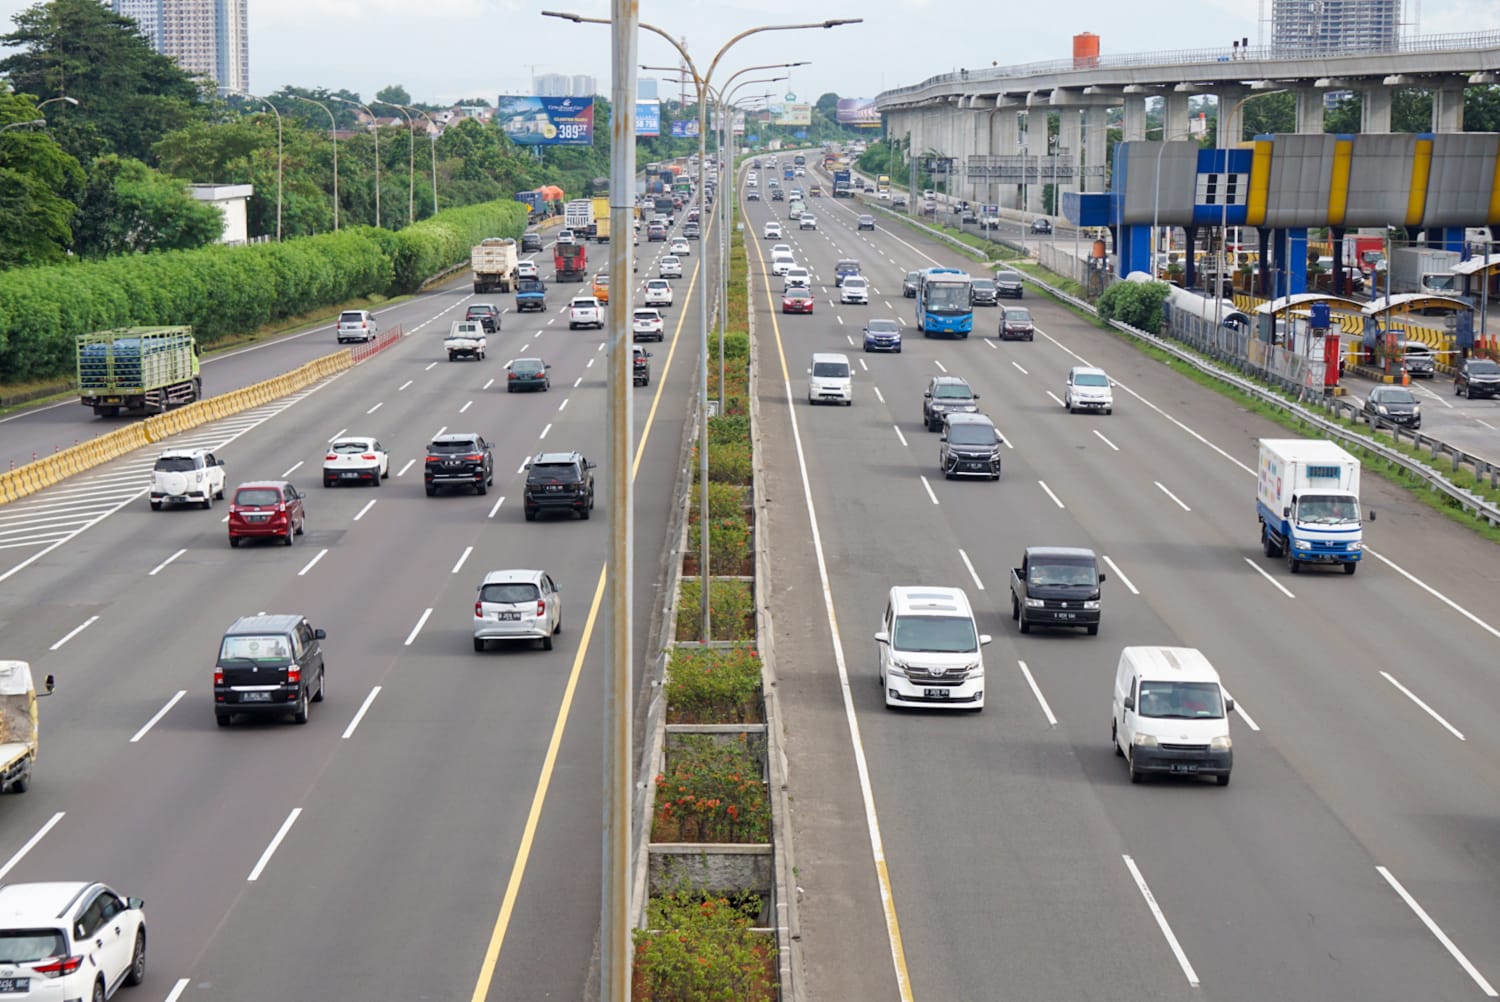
[647, 118]
[547, 121]
[686, 128]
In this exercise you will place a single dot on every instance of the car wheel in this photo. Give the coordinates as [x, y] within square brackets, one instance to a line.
[299, 714]
[1135, 774]
[98, 994]
[1093, 629]
[1293, 564]
[327, 482]
[1222, 780]
[584, 513]
[547, 642]
[481, 488]
[302, 527]
[156, 506]
[1458, 391]
[431, 491]
[1351, 567]
[1109, 410]
[558, 628]
[234, 542]
[1114, 738]
[222, 719]
[322, 685]
[137, 972]
[531, 514]
[208, 499]
[478, 646]
[1015, 607]
[376, 481]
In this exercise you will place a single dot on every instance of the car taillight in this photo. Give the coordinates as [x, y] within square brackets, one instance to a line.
[541, 607]
[330, 457]
[511, 376]
[478, 609]
[474, 458]
[218, 677]
[434, 459]
[56, 967]
[281, 507]
[294, 676]
[368, 455]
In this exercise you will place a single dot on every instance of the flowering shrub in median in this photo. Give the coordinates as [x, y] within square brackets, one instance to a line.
[729, 551]
[731, 610]
[711, 792]
[724, 501]
[728, 463]
[714, 685]
[698, 948]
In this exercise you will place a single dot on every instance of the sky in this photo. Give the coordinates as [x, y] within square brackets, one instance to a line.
[447, 50]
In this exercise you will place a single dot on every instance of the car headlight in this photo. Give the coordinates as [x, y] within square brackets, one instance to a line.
[1356, 546]
[1091, 605]
[898, 668]
[1221, 743]
[1303, 544]
[1381, 408]
[1034, 603]
[1144, 740]
[1416, 409]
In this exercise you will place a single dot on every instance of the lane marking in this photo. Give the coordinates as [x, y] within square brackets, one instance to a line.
[1054, 497]
[972, 572]
[361, 513]
[338, 434]
[293, 469]
[1429, 710]
[1169, 494]
[408, 466]
[441, 431]
[157, 569]
[1433, 928]
[899, 435]
[313, 562]
[1025, 373]
[429, 367]
[1240, 711]
[563, 405]
[31, 843]
[1036, 691]
[1435, 594]
[265, 857]
[940, 365]
[75, 632]
[1262, 572]
[461, 558]
[1161, 922]
[159, 714]
[1055, 398]
[177, 990]
[404, 385]
[500, 501]
[579, 381]
[545, 430]
[466, 406]
[1121, 575]
[377, 407]
[862, 364]
[422, 621]
[992, 344]
[360, 713]
[488, 383]
[928, 488]
[876, 390]
[1105, 440]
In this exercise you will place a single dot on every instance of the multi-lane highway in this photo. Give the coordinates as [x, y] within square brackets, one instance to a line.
[1354, 857]
[433, 832]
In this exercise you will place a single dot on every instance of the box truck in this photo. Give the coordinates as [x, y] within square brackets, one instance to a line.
[1307, 500]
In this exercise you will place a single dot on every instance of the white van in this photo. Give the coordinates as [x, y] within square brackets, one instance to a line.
[929, 649]
[831, 379]
[1171, 714]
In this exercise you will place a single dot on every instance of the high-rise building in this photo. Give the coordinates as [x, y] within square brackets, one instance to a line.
[562, 85]
[1334, 27]
[207, 38]
[583, 85]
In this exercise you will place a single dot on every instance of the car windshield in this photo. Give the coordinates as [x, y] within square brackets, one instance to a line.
[257, 497]
[1187, 700]
[952, 391]
[1061, 573]
[351, 318]
[526, 366]
[882, 327]
[855, 282]
[563, 472]
[453, 448]
[971, 434]
[1018, 316]
[1091, 379]
[584, 304]
[1007, 276]
[657, 284]
[948, 298]
[1483, 368]
[911, 277]
[934, 634]
[831, 370]
[847, 268]
[516, 591]
[351, 446]
[647, 315]
[1394, 395]
[272, 647]
[1317, 509]
[867, 219]
[175, 464]
[983, 285]
[23, 946]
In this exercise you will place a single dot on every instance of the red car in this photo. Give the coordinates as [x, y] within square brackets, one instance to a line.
[266, 509]
[797, 301]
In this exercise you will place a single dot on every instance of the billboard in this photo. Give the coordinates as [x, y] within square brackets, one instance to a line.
[685, 129]
[858, 111]
[547, 121]
[647, 118]
[795, 114]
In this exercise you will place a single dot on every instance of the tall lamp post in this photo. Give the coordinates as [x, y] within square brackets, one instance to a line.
[432, 131]
[61, 97]
[411, 168]
[333, 134]
[279, 157]
[375, 131]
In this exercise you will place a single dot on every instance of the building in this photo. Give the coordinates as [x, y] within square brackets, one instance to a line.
[584, 85]
[207, 38]
[1334, 27]
[229, 199]
[562, 85]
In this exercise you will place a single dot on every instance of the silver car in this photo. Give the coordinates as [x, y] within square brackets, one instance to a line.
[357, 325]
[517, 605]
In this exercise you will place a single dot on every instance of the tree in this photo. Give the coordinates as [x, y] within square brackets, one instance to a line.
[1482, 109]
[1345, 117]
[394, 94]
[129, 208]
[35, 175]
[1135, 303]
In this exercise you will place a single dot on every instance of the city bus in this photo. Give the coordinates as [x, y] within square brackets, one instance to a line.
[944, 308]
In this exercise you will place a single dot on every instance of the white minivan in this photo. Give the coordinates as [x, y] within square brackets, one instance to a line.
[1171, 714]
[830, 380]
[929, 649]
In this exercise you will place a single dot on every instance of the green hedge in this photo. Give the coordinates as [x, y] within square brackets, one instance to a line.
[227, 290]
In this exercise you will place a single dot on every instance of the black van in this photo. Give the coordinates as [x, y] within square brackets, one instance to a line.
[268, 664]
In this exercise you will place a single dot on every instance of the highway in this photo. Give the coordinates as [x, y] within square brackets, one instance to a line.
[1353, 857]
[441, 807]
[1472, 425]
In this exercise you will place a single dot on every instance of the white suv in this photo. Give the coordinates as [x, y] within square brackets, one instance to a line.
[1088, 388]
[646, 324]
[658, 292]
[69, 940]
[183, 476]
[854, 289]
[929, 649]
[584, 311]
[517, 605]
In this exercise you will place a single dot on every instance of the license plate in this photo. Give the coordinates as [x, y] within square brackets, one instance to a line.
[1065, 615]
[935, 693]
[255, 697]
[256, 518]
[349, 474]
[507, 616]
[973, 466]
[1184, 767]
[15, 984]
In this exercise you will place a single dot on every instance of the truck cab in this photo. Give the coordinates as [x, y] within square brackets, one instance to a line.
[1056, 586]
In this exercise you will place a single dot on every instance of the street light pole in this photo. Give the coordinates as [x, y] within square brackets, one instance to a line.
[17, 125]
[61, 97]
[333, 134]
[279, 157]
[376, 133]
[432, 131]
[411, 169]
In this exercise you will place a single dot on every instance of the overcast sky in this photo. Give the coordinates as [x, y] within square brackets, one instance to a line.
[444, 50]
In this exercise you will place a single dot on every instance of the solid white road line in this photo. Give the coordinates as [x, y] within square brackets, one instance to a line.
[545, 430]
[408, 466]
[360, 713]
[75, 632]
[361, 513]
[1430, 711]
[159, 714]
[313, 562]
[1432, 927]
[377, 407]
[422, 621]
[496, 507]
[1169, 494]
[1486, 627]
[155, 570]
[461, 558]
[1055, 398]
[265, 857]
[876, 390]
[1105, 440]
[1161, 922]
[1036, 691]
[1121, 575]
[31, 843]
[972, 572]
[466, 406]
[1054, 497]
[928, 488]
[899, 435]
[1262, 572]
[1025, 373]
[293, 469]
[177, 990]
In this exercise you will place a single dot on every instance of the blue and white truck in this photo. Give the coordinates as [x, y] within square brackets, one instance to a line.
[1307, 500]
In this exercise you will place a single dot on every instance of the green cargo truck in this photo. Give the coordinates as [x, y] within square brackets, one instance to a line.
[138, 369]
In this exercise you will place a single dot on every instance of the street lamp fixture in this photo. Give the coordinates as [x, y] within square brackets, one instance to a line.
[17, 125]
[376, 133]
[279, 158]
[333, 134]
[62, 97]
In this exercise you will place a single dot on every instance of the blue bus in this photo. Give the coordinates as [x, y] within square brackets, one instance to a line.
[944, 308]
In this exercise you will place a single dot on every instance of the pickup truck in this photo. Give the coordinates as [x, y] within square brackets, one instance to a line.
[531, 294]
[1056, 586]
[466, 339]
[18, 724]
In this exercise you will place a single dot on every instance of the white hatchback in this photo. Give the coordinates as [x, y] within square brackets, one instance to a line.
[356, 459]
[855, 289]
[69, 940]
[517, 605]
[772, 230]
[669, 267]
[680, 245]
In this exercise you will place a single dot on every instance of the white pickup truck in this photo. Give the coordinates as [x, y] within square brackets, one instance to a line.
[466, 339]
[18, 725]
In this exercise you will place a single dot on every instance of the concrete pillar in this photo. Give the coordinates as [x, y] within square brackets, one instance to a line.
[1174, 115]
[1007, 142]
[1309, 110]
[1375, 109]
[1095, 145]
[1135, 117]
[1448, 106]
[1231, 129]
[1069, 138]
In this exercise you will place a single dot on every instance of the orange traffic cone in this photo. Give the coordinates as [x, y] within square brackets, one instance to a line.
[1405, 377]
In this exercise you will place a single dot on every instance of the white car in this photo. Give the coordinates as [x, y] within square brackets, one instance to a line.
[782, 263]
[566, 237]
[855, 289]
[527, 269]
[658, 292]
[356, 459]
[70, 940]
[1088, 388]
[807, 222]
[797, 276]
[183, 476]
[584, 311]
[772, 230]
[883, 196]
[669, 267]
[517, 605]
[679, 245]
[646, 324]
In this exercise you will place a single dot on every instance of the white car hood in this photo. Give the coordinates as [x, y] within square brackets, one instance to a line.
[1176, 730]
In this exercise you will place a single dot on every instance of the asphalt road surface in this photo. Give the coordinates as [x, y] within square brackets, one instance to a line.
[1355, 854]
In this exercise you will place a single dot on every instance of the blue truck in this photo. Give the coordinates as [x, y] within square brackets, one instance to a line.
[1307, 500]
[843, 186]
[531, 294]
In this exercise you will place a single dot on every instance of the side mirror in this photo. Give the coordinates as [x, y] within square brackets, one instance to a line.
[882, 637]
[1372, 514]
[928, 394]
[984, 638]
[1228, 705]
[48, 684]
[976, 396]
[1129, 703]
[136, 903]
[942, 438]
[1101, 577]
[809, 372]
[592, 465]
[320, 634]
[1285, 512]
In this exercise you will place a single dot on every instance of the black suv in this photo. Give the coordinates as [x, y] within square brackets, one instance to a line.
[485, 314]
[970, 447]
[268, 664]
[640, 360]
[531, 243]
[982, 292]
[459, 460]
[1477, 377]
[909, 285]
[947, 395]
[559, 481]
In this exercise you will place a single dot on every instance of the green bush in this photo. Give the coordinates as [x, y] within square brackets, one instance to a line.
[728, 543]
[724, 501]
[729, 463]
[731, 610]
[728, 429]
[1135, 303]
[697, 949]
[712, 685]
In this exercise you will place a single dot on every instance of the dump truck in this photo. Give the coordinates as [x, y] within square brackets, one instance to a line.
[18, 724]
[571, 262]
[493, 262]
[138, 369]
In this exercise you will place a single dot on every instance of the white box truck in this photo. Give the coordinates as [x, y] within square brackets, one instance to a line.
[493, 262]
[1307, 499]
[578, 216]
[1428, 270]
